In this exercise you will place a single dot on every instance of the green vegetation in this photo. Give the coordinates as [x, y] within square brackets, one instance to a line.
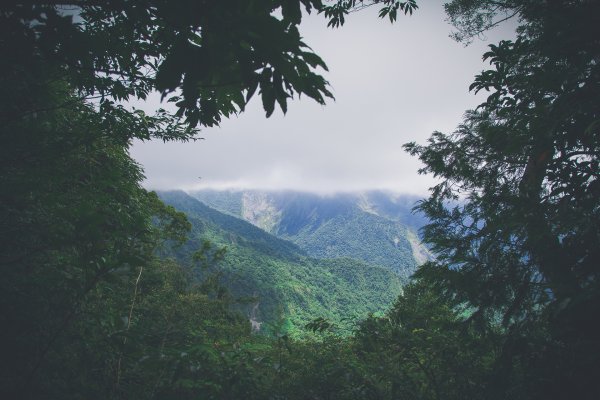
[523, 250]
[361, 236]
[278, 280]
[89, 309]
[368, 227]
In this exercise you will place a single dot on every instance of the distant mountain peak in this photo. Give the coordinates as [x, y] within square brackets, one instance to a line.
[376, 227]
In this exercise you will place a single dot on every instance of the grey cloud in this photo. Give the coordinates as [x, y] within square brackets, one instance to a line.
[393, 84]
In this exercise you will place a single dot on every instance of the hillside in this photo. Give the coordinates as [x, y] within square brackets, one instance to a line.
[283, 283]
[375, 227]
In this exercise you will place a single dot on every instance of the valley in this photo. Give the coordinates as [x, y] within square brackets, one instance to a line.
[296, 256]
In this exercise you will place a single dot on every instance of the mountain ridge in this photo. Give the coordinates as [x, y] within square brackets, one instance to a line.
[376, 227]
[289, 286]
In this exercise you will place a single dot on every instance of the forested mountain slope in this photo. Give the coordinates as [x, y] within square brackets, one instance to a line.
[281, 285]
[375, 227]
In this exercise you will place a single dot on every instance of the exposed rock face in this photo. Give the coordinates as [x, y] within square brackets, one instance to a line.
[420, 252]
[254, 323]
[260, 209]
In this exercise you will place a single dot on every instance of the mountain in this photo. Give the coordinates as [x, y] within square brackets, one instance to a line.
[375, 227]
[286, 286]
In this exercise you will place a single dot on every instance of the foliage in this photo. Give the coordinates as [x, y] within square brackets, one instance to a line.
[338, 11]
[74, 215]
[421, 349]
[472, 18]
[88, 310]
[213, 57]
[521, 247]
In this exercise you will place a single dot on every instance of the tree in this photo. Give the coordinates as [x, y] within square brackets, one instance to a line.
[420, 349]
[74, 216]
[338, 11]
[208, 58]
[515, 218]
[88, 311]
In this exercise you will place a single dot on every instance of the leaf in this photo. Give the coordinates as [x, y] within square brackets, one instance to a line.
[268, 98]
[314, 60]
[291, 12]
[280, 92]
[170, 71]
[251, 90]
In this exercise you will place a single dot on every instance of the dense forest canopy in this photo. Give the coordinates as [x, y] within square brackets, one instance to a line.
[88, 310]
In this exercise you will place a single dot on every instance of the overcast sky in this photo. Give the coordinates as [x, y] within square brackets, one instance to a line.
[393, 83]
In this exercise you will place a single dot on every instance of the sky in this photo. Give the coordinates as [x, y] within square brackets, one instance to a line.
[393, 84]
